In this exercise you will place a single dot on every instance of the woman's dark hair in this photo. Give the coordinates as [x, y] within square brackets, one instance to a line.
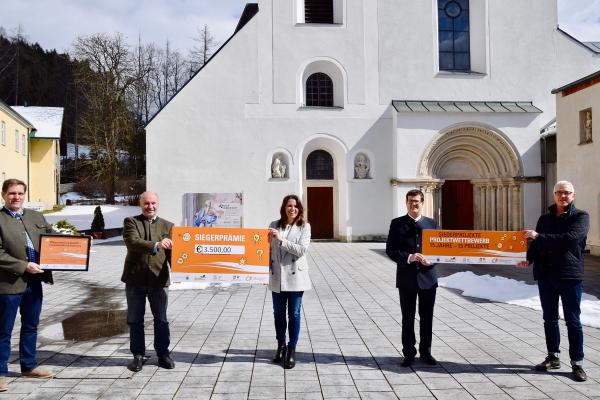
[299, 219]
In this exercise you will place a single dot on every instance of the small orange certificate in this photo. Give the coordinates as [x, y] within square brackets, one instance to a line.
[474, 247]
[64, 253]
[231, 255]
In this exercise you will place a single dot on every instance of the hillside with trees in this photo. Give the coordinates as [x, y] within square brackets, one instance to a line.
[109, 90]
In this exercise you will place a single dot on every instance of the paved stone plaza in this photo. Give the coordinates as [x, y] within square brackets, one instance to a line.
[350, 346]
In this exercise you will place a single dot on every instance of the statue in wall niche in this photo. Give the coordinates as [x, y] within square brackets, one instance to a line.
[587, 126]
[278, 167]
[361, 166]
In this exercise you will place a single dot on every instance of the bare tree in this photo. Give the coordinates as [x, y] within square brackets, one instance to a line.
[106, 77]
[203, 50]
[168, 75]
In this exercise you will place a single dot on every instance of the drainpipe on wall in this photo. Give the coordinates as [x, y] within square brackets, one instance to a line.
[29, 133]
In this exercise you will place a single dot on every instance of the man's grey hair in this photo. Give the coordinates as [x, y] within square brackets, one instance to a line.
[148, 193]
[562, 184]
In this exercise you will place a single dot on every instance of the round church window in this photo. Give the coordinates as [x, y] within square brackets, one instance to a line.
[452, 9]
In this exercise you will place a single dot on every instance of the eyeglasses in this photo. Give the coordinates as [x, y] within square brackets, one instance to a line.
[563, 193]
[413, 202]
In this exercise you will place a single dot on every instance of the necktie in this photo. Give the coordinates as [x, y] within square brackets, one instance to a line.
[30, 248]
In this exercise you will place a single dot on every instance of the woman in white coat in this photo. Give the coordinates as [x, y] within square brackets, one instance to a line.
[288, 279]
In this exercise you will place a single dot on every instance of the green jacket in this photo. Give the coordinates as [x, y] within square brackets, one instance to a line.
[143, 267]
[13, 249]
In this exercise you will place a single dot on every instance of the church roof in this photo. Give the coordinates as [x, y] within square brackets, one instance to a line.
[465, 106]
[594, 46]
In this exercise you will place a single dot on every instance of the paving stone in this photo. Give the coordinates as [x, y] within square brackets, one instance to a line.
[350, 342]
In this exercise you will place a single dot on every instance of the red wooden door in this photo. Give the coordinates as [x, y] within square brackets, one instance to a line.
[320, 211]
[457, 205]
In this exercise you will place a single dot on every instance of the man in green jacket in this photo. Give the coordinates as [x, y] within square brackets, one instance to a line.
[20, 279]
[146, 275]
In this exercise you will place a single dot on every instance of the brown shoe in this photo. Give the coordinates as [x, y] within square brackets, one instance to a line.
[38, 372]
[3, 384]
[579, 374]
[551, 362]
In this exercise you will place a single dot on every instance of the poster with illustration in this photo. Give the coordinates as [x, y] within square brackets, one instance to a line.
[210, 210]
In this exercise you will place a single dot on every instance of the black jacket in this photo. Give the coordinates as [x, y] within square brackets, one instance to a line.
[404, 239]
[557, 252]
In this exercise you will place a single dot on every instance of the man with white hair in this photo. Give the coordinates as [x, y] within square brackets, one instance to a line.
[146, 275]
[556, 251]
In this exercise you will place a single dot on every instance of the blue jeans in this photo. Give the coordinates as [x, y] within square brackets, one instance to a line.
[569, 291]
[136, 307]
[30, 305]
[293, 301]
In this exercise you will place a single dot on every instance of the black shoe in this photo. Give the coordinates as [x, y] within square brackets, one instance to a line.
[166, 362]
[428, 359]
[408, 360]
[290, 358]
[579, 374]
[551, 362]
[280, 353]
[136, 364]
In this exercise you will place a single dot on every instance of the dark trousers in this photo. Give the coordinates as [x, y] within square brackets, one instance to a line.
[408, 305]
[29, 303]
[293, 302]
[136, 308]
[569, 291]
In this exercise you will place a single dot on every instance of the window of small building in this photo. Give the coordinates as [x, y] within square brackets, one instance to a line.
[3, 133]
[319, 165]
[585, 126]
[319, 90]
[17, 140]
[318, 11]
[24, 145]
[454, 35]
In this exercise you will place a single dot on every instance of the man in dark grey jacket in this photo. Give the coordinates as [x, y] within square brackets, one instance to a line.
[146, 275]
[20, 279]
[556, 252]
[415, 277]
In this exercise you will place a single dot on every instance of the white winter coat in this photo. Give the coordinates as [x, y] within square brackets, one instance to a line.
[288, 264]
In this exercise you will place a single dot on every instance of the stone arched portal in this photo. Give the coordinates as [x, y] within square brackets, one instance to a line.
[488, 160]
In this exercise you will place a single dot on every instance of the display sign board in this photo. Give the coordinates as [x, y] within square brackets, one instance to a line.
[220, 255]
[207, 210]
[474, 247]
[64, 252]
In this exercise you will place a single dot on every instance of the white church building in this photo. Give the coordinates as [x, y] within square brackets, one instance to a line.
[351, 103]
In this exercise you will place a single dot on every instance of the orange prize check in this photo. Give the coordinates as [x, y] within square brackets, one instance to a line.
[231, 255]
[474, 247]
[64, 252]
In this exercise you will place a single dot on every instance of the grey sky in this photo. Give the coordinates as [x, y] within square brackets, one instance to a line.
[56, 23]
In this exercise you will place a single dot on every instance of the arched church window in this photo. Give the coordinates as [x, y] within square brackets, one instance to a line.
[319, 165]
[454, 36]
[318, 11]
[319, 90]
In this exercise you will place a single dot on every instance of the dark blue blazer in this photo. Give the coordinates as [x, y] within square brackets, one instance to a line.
[404, 239]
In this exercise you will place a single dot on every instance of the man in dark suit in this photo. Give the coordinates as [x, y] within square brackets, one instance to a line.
[146, 275]
[20, 279]
[415, 277]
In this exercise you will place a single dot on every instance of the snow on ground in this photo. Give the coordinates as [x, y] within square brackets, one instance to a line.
[81, 216]
[510, 291]
[75, 196]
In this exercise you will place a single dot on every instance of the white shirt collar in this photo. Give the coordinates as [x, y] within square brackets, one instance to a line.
[415, 219]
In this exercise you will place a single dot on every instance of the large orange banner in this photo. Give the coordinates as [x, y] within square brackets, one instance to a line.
[223, 255]
[474, 247]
